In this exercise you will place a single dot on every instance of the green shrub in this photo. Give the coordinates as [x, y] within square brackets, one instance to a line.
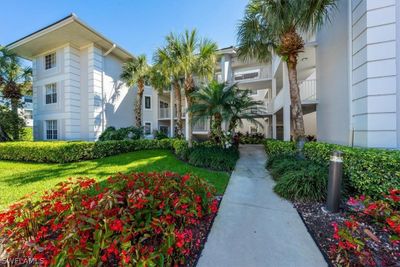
[27, 134]
[371, 172]
[308, 183]
[282, 164]
[251, 138]
[215, 158]
[60, 152]
[181, 149]
[159, 135]
[127, 133]
[274, 147]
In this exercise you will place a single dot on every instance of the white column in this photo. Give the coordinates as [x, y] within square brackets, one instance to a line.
[274, 126]
[171, 108]
[286, 122]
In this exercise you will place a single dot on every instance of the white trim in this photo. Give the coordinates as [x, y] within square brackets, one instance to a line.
[45, 130]
[144, 128]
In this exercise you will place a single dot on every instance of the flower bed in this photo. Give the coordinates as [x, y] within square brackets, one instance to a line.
[137, 219]
[364, 233]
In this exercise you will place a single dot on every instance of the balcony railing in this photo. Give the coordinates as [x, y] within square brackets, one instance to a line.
[165, 113]
[308, 90]
[264, 72]
[202, 125]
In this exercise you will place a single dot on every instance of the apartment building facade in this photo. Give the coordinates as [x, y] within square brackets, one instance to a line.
[348, 77]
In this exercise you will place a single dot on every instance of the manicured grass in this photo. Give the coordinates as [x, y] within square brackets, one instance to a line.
[20, 178]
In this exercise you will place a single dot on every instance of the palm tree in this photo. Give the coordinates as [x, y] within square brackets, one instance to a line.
[15, 81]
[244, 107]
[166, 60]
[136, 72]
[196, 58]
[213, 101]
[158, 80]
[276, 25]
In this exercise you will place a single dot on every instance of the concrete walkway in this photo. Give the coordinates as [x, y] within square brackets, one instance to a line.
[254, 227]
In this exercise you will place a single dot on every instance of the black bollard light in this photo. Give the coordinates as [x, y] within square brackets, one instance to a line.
[335, 181]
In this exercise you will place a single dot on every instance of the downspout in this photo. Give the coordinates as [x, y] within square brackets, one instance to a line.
[103, 109]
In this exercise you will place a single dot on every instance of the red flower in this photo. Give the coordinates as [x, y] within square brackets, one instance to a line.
[117, 225]
[185, 178]
[214, 206]
[59, 207]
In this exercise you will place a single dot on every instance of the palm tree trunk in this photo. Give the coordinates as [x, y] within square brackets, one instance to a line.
[296, 109]
[14, 109]
[138, 106]
[189, 86]
[217, 127]
[179, 122]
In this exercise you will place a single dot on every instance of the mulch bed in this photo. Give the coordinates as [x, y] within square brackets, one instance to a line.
[319, 224]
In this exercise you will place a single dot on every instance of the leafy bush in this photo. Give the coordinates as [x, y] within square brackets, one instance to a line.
[248, 138]
[216, 158]
[370, 171]
[308, 183]
[60, 152]
[274, 147]
[28, 134]
[159, 135]
[128, 133]
[282, 163]
[132, 220]
[10, 123]
[181, 149]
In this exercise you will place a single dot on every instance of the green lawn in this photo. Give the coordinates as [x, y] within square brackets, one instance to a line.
[20, 178]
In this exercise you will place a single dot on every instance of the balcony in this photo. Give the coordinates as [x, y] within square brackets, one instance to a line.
[259, 73]
[201, 126]
[164, 113]
[308, 90]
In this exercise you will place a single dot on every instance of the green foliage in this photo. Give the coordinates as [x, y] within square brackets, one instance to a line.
[215, 158]
[274, 147]
[181, 149]
[308, 183]
[60, 152]
[9, 124]
[27, 134]
[159, 135]
[128, 133]
[248, 138]
[371, 172]
[281, 164]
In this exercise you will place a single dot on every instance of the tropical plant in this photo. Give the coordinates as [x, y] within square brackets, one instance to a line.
[158, 80]
[136, 72]
[244, 107]
[166, 61]
[9, 121]
[15, 81]
[213, 101]
[196, 57]
[278, 26]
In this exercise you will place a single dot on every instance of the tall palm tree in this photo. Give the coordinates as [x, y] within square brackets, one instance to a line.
[277, 25]
[244, 107]
[196, 58]
[213, 101]
[136, 72]
[158, 80]
[15, 81]
[166, 60]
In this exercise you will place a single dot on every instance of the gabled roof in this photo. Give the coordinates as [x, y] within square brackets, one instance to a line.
[67, 30]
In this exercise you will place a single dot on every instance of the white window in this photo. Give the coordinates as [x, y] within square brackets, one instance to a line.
[147, 128]
[147, 102]
[28, 114]
[50, 61]
[51, 130]
[163, 104]
[164, 129]
[51, 93]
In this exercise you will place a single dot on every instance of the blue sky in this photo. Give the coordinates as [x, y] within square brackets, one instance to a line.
[137, 25]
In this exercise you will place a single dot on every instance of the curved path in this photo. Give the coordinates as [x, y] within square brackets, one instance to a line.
[254, 227]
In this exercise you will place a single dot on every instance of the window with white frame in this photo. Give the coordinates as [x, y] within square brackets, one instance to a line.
[147, 128]
[51, 93]
[50, 61]
[147, 102]
[28, 114]
[163, 104]
[51, 130]
[164, 129]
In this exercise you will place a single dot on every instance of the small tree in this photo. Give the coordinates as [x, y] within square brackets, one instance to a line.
[136, 72]
[277, 25]
[15, 81]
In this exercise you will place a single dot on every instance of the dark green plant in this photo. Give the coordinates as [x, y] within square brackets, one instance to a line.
[215, 158]
[283, 164]
[127, 133]
[305, 184]
[277, 147]
[10, 125]
[159, 135]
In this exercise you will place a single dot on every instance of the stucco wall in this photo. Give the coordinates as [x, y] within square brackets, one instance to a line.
[333, 112]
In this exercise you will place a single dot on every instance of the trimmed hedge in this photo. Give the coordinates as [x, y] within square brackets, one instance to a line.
[61, 152]
[215, 158]
[370, 171]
